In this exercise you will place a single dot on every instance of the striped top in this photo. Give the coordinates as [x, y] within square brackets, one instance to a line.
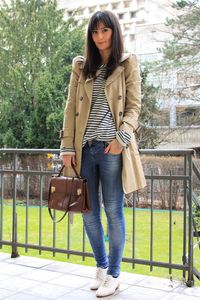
[100, 125]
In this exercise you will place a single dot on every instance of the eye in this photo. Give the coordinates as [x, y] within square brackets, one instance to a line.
[94, 31]
[105, 29]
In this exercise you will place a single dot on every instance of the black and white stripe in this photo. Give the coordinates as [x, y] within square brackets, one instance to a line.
[100, 124]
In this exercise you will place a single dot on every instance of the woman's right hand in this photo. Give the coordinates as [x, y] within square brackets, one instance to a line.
[68, 160]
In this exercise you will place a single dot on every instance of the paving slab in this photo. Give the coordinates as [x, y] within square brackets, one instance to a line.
[32, 278]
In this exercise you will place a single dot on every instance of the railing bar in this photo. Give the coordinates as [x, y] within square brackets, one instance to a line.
[14, 213]
[152, 235]
[27, 210]
[68, 236]
[133, 229]
[167, 177]
[84, 244]
[1, 209]
[196, 169]
[40, 211]
[170, 224]
[171, 152]
[190, 229]
[54, 233]
[87, 254]
[184, 217]
[35, 172]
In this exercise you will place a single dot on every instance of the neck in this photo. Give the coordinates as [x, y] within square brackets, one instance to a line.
[105, 56]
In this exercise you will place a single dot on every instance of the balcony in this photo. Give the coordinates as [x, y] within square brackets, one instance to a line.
[30, 278]
[155, 247]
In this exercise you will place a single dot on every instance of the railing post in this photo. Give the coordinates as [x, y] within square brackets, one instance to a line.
[184, 257]
[14, 215]
[190, 281]
[1, 208]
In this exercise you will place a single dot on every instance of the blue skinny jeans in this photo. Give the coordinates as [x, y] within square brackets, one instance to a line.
[105, 168]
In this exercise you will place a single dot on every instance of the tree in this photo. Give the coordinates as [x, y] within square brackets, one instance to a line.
[36, 51]
[181, 53]
[146, 133]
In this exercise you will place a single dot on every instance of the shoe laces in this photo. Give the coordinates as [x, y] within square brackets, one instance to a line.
[107, 281]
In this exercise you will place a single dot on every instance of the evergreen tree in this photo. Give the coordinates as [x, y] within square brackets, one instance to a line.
[36, 51]
[146, 133]
[181, 53]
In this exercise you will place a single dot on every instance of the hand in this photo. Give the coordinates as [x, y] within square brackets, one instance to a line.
[114, 148]
[68, 160]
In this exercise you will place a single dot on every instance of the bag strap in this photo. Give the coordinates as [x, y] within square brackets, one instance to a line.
[74, 169]
[50, 212]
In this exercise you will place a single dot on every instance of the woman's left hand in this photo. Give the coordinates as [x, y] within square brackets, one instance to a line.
[114, 147]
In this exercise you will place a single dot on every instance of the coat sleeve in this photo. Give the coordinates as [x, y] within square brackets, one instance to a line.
[68, 131]
[133, 95]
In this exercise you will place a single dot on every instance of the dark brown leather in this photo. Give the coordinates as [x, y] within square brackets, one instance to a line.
[68, 194]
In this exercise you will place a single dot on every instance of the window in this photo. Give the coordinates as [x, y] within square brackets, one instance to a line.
[120, 16]
[132, 37]
[127, 3]
[132, 14]
[188, 116]
[127, 27]
[103, 7]
[115, 5]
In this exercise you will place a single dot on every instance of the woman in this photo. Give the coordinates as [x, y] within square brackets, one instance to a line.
[98, 137]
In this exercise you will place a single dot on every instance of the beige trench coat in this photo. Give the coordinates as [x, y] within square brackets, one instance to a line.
[123, 92]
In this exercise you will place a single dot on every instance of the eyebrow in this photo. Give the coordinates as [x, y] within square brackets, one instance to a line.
[100, 28]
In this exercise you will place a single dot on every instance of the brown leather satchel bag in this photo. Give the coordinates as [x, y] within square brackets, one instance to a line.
[68, 194]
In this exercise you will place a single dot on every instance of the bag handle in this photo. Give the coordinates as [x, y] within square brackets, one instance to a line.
[73, 167]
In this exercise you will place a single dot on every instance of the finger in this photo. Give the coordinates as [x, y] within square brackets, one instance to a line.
[74, 160]
[107, 149]
[67, 161]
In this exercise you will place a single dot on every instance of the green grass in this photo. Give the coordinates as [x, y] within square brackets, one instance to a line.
[142, 238]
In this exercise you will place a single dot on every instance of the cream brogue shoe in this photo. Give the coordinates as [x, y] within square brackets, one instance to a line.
[98, 279]
[108, 286]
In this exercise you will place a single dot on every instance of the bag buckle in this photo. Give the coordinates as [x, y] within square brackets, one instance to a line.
[53, 189]
[78, 192]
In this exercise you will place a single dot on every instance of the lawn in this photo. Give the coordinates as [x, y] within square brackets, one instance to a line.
[142, 237]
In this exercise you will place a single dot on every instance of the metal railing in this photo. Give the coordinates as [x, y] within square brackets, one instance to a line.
[185, 179]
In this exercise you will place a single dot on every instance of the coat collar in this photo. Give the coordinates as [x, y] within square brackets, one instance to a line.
[125, 56]
[110, 79]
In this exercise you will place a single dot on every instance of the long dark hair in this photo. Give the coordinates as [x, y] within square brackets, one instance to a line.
[93, 58]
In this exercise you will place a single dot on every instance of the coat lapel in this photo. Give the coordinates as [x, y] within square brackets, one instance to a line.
[114, 75]
[88, 85]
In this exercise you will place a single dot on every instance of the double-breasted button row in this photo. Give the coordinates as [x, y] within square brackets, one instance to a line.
[119, 97]
[120, 113]
[77, 114]
[81, 98]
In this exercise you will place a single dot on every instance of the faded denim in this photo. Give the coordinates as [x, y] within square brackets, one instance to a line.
[105, 168]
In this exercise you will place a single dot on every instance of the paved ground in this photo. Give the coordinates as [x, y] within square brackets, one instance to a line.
[30, 278]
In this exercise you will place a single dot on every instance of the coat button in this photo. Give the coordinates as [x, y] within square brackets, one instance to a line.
[120, 113]
[77, 114]
[119, 97]
[81, 98]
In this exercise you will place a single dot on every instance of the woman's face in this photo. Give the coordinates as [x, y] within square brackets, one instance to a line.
[102, 37]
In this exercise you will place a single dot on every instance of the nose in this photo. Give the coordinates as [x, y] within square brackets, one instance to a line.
[99, 35]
